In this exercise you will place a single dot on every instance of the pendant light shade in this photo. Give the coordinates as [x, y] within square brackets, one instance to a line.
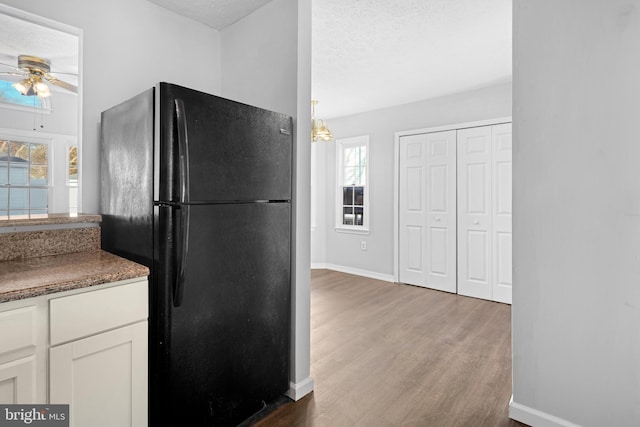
[319, 129]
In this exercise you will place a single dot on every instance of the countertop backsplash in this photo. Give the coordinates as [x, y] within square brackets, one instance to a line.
[54, 234]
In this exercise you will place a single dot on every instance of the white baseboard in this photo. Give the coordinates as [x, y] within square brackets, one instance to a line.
[534, 417]
[356, 271]
[299, 390]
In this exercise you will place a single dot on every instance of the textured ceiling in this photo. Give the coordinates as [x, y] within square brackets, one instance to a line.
[19, 37]
[370, 54]
[217, 14]
[366, 54]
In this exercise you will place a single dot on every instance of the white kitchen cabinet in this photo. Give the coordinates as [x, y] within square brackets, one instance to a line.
[103, 378]
[22, 352]
[98, 358]
[18, 381]
[86, 348]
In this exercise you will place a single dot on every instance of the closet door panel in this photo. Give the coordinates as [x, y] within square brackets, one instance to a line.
[502, 213]
[477, 256]
[412, 257]
[441, 269]
[474, 212]
[438, 251]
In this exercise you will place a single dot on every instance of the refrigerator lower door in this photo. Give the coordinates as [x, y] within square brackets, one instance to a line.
[228, 340]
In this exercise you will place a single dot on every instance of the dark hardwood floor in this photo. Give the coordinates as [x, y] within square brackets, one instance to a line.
[384, 354]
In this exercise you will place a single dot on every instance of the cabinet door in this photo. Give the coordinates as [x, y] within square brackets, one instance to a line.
[18, 381]
[474, 212]
[23, 351]
[103, 378]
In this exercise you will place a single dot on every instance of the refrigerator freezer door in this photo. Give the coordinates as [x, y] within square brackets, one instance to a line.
[236, 152]
[228, 341]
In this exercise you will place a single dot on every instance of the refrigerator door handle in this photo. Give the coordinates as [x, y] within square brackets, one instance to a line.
[181, 255]
[183, 150]
[183, 238]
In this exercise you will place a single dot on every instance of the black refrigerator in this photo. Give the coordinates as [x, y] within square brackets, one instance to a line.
[198, 188]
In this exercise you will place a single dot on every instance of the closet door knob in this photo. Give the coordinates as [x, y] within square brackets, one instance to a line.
[476, 222]
[437, 218]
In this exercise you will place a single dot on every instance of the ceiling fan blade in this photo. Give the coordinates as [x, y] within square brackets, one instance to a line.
[62, 84]
[11, 76]
[11, 73]
[59, 72]
[13, 67]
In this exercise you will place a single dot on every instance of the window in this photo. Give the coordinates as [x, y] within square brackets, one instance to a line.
[352, 212]
[72, 178]
[24, 178]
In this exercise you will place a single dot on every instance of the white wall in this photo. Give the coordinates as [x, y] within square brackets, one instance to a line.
[318, 203]
[343, 250]
[259, 58]
[62, 119]
[129, 45]
[576, 229]
[266, 61]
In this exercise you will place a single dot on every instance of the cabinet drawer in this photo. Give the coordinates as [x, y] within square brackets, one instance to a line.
[92, 312]
[18, 329]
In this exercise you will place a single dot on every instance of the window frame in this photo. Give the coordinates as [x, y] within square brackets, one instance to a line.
[22, 139]
[72, 186]
[341, 145]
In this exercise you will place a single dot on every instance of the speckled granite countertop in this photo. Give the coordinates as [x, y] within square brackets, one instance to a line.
[31, 277]
[49, 219]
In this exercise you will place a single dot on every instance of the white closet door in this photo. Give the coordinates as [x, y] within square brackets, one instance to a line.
[501, 182]
[412, 207]
[474, 212]
[428, 210]
[441, 211]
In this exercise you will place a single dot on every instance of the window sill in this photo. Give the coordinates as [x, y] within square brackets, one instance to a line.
[364, 231]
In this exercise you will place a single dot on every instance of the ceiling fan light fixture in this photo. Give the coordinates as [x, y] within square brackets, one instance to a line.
[41, 89]
[319, 129]
[33, 86]
[23, 86]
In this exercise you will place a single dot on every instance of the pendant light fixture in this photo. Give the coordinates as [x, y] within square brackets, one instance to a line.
[319, 129]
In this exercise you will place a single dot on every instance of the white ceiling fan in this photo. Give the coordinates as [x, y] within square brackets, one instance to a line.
[34, 72]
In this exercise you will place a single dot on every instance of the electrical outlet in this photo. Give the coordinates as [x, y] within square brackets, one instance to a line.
[363, 245]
